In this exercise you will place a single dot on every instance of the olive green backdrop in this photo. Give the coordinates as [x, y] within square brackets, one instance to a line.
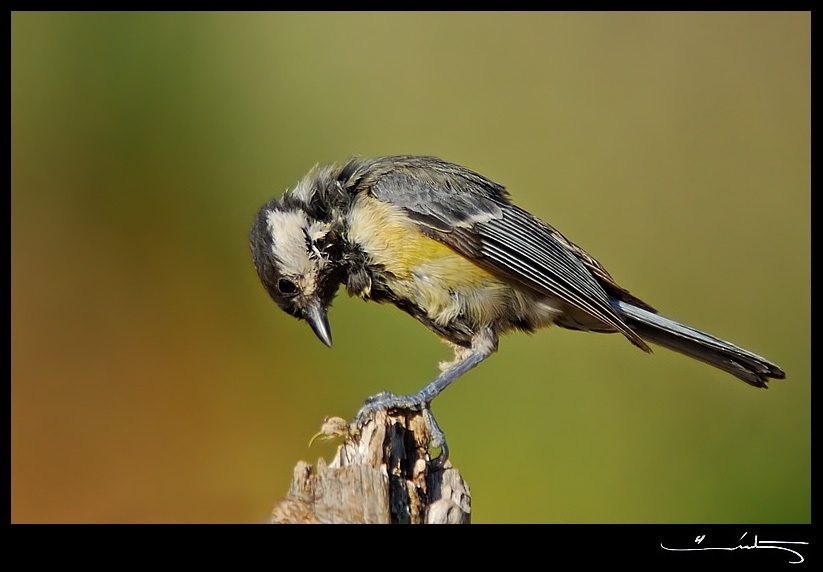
[154, 381]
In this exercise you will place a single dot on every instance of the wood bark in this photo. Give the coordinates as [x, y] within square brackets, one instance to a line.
[381, 473]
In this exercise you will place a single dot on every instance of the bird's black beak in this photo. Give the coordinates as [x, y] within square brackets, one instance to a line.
[319, 322]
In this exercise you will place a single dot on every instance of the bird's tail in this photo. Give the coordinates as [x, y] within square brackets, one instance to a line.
[672, 335]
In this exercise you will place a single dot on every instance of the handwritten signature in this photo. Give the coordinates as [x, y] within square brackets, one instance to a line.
[758, 544]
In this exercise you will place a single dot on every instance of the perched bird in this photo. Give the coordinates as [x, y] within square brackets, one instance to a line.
[446, 245]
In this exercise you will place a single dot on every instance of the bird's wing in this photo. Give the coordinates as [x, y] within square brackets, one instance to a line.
[473, 215]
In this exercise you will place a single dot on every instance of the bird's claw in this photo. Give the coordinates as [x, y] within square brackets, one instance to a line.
[385, 401]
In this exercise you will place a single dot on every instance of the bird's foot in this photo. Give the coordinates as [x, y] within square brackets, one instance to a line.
[386, 401]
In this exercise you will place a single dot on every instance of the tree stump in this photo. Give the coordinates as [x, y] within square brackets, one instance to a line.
[382, 473]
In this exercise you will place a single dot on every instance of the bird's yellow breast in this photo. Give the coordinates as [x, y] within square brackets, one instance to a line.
[433, 276]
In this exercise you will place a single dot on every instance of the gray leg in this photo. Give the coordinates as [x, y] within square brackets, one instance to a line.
[483, 345]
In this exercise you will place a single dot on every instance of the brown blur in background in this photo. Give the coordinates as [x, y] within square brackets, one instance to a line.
[152, 380]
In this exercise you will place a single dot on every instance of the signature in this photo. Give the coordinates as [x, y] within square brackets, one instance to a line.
[758, 544]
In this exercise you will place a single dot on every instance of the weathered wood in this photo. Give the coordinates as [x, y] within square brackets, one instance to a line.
[381, 473]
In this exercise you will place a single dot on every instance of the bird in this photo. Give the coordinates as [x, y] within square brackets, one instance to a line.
[449, 247]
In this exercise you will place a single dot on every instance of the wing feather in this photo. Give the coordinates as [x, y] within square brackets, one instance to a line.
[474, 216]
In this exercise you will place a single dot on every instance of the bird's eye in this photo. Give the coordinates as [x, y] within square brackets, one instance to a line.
[286, 286]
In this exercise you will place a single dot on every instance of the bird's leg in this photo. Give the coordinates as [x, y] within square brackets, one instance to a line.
[483, 345]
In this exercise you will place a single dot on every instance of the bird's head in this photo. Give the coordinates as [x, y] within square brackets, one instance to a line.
[297, 259]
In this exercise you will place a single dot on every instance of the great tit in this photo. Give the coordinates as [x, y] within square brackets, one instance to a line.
[447, 246]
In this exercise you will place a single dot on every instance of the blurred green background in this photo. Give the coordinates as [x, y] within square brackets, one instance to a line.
[154, 381]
